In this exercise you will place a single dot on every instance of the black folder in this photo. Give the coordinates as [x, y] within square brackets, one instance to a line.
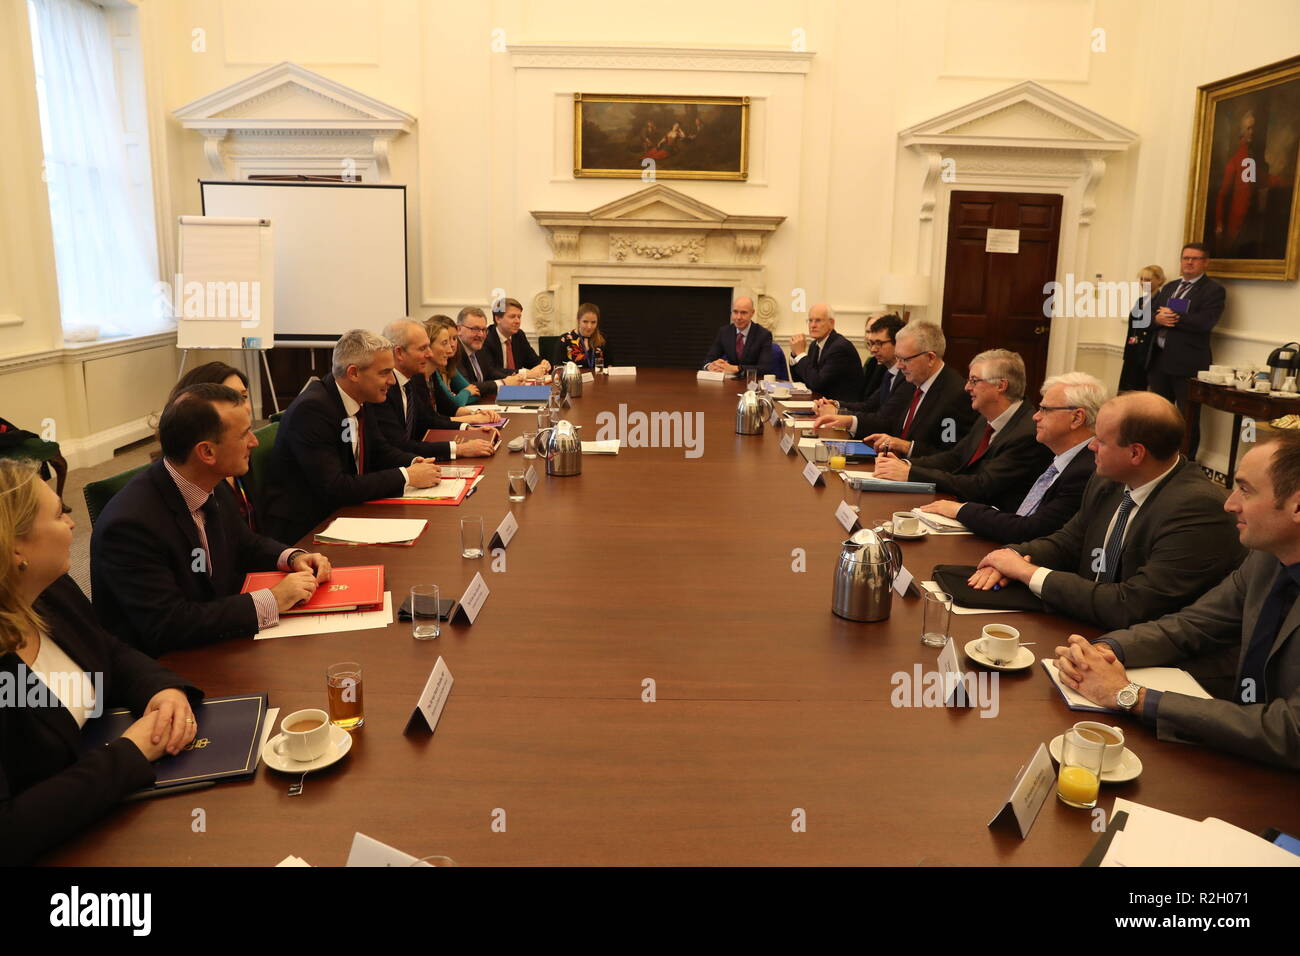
[1012, 597]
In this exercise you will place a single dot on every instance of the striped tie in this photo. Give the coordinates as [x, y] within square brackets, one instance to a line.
[1115, 543]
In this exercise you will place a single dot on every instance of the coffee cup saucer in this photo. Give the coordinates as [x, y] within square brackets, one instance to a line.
[889, 527]
[1024, 658]
[1129, 767]
[340, 743]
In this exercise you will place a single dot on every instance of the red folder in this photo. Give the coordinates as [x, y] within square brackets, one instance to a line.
[452, 435]
[449, 468]
[359, 588]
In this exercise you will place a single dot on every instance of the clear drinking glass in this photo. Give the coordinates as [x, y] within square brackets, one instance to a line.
[544, 419]
[471, 537]
[346, 701]
[425, 625]
[852, 493]
[1077, 783]
[751, 379]
[516, 485]
[822, 455]
[530, 444]
[936, 616]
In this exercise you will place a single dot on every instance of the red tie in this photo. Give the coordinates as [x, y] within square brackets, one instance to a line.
[911, 411]
[361, 447]
[510, 355]
[982, 447]
[740, 346]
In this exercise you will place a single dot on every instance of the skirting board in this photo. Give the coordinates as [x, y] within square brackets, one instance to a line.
[99, 447]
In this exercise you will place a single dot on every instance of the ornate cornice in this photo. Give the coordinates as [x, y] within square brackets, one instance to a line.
[564, 56]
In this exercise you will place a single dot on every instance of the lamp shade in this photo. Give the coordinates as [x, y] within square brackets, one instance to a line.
[905, 290]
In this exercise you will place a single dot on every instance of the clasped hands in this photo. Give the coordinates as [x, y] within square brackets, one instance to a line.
[1093, 670]
[998, 568]
[722, 365]
[1167, 317]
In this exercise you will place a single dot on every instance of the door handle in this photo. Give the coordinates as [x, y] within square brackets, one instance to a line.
[1040, 330]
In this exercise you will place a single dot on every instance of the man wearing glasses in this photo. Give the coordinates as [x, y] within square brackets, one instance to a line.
[1064, 425]
[1185, 313]
[999, 458]
[928, 413]
[472, 330]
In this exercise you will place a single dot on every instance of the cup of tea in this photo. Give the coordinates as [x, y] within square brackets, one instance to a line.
[1000, 643]
[305, 735]
[1112, 737]
[906, 523]
[346, 702]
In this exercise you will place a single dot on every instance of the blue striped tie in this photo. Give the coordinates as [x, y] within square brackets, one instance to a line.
[1115, 543]
[1035, 496]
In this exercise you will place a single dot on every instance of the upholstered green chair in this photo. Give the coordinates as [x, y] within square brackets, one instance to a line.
[259, 464]
[100, 493]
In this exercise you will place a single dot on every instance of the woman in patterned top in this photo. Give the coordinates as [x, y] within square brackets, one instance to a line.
[584, 345]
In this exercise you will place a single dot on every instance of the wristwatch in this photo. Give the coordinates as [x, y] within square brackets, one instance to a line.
[1127, 696]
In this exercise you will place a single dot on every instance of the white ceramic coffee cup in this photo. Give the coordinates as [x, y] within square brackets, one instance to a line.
[304, 745]
[1000, 643]
[769, 378]
[1114, 752]
[904, 522]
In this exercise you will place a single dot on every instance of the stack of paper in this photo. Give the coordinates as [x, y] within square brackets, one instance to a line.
[707, 376]
[372, 531]
[1170, 679]
[607, 447]
[793, 404]
[800, 423]
[621, 370]
[941, 524]
[1154, 837]
[446, 488]
[301, 625]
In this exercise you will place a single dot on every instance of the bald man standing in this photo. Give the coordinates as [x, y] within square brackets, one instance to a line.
[741, 344]
[1150, 538]
[829, 364]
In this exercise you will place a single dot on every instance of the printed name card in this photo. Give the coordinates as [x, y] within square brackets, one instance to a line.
[588, 377]
[954, 686]
[505, 531]
[530, 477]
[1032, 787]
[472, 600]
[429, 708]
[787, 443]
[847, 516]
[775, 418]
[707, 376]
[367, 851]
[813, 474]
[902, 581]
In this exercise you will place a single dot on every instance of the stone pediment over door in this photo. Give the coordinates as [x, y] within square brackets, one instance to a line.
[288, 120]
[657, 235]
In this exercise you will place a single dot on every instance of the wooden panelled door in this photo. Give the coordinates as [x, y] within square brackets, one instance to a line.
[995, 299]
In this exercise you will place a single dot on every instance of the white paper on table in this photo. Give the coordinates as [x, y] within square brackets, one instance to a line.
[621, 370]
[292, 860]
[447, 488]
[932, 586]
[1155, 837]
[608, 446]
[810, 442]
[1165, 679]
[793, 404]
[941, 524]
[796, 423]
[268, 726]
[305, 625]
[707, 376]
[496, 408]
[862, 475]
[374, 530]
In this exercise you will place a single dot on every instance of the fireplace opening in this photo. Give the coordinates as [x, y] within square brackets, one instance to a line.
[659, 326]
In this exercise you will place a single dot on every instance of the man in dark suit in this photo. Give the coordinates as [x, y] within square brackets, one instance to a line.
[880, 373]
[407, 412]
[475, 363]
[742, 344]
[169, 554]
[506, 347]
[1185, 312]
[829, 365]
[1253, 615]
[330, 451]
[929, 413]
[1000, 456]
[1150, 538]
[1065, 422]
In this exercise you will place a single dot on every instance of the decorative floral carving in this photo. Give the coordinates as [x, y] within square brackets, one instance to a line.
[621, 246]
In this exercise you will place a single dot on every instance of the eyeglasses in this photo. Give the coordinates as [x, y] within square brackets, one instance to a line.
[873, 344]
[907, 358]
[975, 380]
[476, 329]
[1058, 408]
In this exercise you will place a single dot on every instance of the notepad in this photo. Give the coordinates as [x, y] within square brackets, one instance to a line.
[1154, 837]
[372, 531]
[446, 488]
[1170, 679]
[607, 447]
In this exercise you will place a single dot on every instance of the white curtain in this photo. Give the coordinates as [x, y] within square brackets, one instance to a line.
[103, 246]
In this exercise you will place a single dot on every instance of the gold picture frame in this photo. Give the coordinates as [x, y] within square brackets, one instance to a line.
[627, 136]
[1243, 198]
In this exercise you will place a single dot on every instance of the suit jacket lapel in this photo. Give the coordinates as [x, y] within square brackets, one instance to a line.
[347, 457]
[183, 520]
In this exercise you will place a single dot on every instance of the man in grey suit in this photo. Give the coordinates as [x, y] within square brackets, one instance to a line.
[1254, 612]
[1150, 537]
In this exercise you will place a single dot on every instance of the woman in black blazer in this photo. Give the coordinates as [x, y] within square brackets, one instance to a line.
[584, 345]
[49, 787]
[1140, 337]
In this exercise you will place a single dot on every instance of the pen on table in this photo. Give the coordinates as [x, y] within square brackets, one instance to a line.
[164, 791]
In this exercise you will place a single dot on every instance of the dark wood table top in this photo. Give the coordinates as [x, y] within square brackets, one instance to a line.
[652, 564]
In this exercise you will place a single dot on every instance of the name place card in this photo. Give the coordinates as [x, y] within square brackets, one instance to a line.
[505, 531]
[813, 474]
[954, 687]
[588, 377]
[429, 708]
[903, 581]
[1032, 787]
[787, 443]
[472, 600]
[847, 517]
[530, 477]
[367, 851]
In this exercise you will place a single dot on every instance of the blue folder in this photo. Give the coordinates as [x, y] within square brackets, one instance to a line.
[523, 394]
[919, 487]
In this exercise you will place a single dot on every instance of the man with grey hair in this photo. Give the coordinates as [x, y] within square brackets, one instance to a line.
[1066, 420]
[475, 364]
[999, 458]
[741, 344]
[330, 451]
[829, 365]
[926, 414]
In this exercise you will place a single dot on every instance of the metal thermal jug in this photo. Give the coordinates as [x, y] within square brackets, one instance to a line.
[751, 412]
[864, 576]
[561, 446]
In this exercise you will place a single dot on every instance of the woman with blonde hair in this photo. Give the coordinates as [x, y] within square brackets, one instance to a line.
[67, 669]
[450, 390]
[1140, 338]
[585, 344]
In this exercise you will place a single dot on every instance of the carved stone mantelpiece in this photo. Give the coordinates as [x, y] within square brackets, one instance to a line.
[656, 236]
[287, 120]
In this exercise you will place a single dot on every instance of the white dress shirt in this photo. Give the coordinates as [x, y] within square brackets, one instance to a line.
[1163, 332]
[925, 387]
[401, 390]
[353, 407]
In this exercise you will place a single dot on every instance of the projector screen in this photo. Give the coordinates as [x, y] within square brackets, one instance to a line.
[340, 252]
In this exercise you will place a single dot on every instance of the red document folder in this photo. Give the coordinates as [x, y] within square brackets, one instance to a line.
[450, 469]
[451, 434]
[348, 589]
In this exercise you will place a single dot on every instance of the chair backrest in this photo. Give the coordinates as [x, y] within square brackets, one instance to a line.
[99, 493]
[546, 347]
[259, 464]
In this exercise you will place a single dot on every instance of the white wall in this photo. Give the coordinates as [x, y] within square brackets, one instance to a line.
[484, 152]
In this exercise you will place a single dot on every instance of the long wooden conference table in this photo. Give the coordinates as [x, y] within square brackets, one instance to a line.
[655, 565]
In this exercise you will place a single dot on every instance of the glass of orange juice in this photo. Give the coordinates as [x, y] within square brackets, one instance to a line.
[1080, 775]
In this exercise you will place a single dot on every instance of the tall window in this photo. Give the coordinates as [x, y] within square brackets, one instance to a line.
[96, 172]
